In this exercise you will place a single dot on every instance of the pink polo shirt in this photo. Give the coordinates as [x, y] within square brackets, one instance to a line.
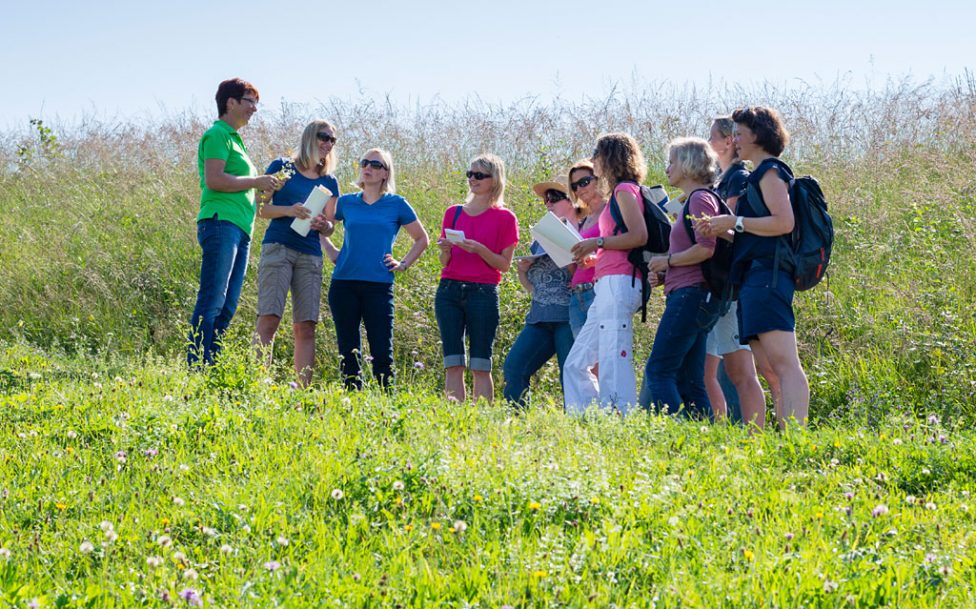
[496, 228]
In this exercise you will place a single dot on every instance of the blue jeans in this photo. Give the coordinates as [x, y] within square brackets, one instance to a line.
[467, 308]
[579, 305]
[535, 345]
[675, 371]
[225, 249]
[367, 303]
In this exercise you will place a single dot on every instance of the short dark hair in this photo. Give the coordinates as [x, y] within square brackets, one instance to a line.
[234, 88]
[766, 123]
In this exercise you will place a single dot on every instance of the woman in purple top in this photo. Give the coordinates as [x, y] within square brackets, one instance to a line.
[674, 374]
[587, 192]
[290, 262]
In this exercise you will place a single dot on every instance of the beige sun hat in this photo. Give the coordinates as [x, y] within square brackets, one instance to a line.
[557, 183]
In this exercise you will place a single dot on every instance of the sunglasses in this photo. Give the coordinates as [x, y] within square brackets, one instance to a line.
[325, 137]
[554, 196]
[582, 183]
[478, 175]
[374, 164]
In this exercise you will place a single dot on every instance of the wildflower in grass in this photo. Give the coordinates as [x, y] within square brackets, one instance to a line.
[879, 510]
[150, 452]
[830, 586]
[943, 439]
[460, 526]
[60, 506]
[246, 528]
[418, 365]
[398, 485]
[33, 603]
[184, 467]
[179, 557]
[535, 506]
[192, 597]
[106, 526]
[164, 541]
[789, 536]
[539, 574]
[337, 494]
[178, 501]
[72, 434]
[272, 565]
[190, 575]
[209, 531]
[478, 498]
[86, 547]
[436, 526]
[110, 537]
[849, 495]
[673, 521]
[408, 527]
[164, 522]
[910, 499]
[748, 554]
[930, 506]
[5, 553]
[293, 385]
[595, 500]
[282, 540]
[154, 561]
[896, 441]
[933, 420]
[120, 456]
[930, 558]
[946, 570]
[226, 549]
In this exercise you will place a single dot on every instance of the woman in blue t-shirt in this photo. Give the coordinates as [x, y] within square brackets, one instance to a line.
[361, 291]
[290, 261]
[763, 216]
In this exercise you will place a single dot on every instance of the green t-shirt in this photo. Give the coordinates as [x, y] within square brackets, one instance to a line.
[222, 142]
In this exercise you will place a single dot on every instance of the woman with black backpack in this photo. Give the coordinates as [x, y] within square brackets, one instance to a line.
[763, 217]
[674, 374]
[607, 337]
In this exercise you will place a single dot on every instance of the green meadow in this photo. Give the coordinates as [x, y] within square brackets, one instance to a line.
[127, 481]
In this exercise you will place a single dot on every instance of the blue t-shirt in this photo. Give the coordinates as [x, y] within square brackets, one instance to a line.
[733, 181]
[748, 247]
[369, 231]
[295, 190]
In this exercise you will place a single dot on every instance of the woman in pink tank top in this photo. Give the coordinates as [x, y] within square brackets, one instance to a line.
[587, 191]
[607, 337]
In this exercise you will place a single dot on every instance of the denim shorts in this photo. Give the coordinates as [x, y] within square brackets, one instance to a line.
[471, 309]
[763, 308]
[579, 306]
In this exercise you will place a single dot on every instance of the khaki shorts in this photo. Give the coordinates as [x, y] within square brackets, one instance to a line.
[724, 337]
[282, 269]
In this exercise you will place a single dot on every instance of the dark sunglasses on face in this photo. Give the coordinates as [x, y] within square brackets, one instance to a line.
[582, 183]
[374, 164]
[325, 137]
[477, 175]
[554, 196]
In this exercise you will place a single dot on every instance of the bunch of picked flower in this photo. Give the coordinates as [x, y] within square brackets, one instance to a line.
[282, 175]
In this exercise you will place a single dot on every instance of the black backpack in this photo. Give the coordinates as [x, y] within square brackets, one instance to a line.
[718, 268]
[806, 250]
[658, 239]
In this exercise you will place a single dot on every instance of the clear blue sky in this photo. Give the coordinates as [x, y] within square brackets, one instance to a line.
[62, 60]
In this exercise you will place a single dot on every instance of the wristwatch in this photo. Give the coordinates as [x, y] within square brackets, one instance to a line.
[600, 241]
[739, 228]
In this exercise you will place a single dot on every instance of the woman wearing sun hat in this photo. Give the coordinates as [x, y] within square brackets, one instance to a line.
[546, 331]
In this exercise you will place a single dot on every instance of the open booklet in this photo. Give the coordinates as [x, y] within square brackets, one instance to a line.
[315, 203]
[557, 237]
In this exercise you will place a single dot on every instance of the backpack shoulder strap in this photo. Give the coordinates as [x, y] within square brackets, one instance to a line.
[687, 207]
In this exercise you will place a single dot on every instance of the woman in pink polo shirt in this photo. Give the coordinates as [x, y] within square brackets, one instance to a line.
[467, 296]
[607, 337]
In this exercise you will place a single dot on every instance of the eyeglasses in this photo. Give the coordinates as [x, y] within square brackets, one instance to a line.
[554, 196]
[478, 175]
[371, 163]
[325, 137]
[250, 100]
[582, 183]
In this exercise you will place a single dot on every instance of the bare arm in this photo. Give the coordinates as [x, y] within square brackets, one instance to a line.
[501, 261]
[523, 274]
[420, 242]
[219, 180]
[696, 254]
[779, 221]
[636, 235]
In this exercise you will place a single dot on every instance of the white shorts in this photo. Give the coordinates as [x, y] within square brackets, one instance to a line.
[724, 337]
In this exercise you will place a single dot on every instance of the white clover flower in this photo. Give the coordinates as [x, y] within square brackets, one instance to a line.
[111, 536]
[179, 501]
[210, 531]
[282, 540]
[86, 547]
[830, 586]
[5, 553]
[910, 499]
[184, 467]
[460, 526]
[179, 557]
[398, 485]
[154, 561]
[226, 549]
[72, 434]
[930, 506]
[164, 541]
[337, 494]
[190, 574]
[106, 526]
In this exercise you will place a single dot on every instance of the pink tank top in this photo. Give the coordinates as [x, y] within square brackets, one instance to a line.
[613, 262]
